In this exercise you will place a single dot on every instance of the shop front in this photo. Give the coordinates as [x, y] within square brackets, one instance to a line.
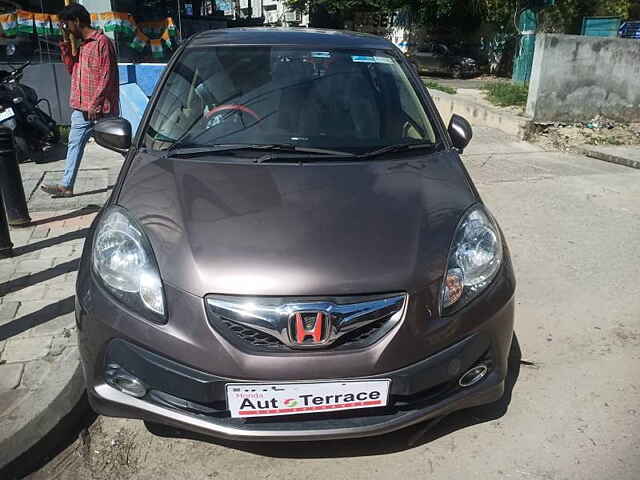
[145, 33]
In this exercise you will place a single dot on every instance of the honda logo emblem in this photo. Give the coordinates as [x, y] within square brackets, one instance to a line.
[309, 329]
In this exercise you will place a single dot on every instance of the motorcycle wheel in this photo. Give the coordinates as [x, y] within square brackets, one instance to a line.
[22, 149]
[54, 137]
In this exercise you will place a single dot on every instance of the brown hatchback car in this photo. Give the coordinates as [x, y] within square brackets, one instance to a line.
[293, 249]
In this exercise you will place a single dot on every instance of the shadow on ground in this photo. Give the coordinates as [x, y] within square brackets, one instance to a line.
[39, 317]
[58, 152]
[50, 242]
[393, 442]
[39, 277]
[94, 192]
[66, 216]
[63, 435]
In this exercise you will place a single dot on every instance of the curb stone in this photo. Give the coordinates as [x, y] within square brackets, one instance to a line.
[608, 157]
[42, 409]
[481, 115]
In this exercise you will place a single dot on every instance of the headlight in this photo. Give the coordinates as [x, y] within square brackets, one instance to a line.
[123, 260]
[474, 259]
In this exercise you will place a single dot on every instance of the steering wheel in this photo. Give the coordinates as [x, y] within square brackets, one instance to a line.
[232, 106]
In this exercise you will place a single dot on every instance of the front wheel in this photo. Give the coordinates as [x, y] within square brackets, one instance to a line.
[23, 152]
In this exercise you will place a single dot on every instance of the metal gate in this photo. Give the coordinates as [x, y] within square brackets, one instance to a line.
[527, 24]
[601, 26]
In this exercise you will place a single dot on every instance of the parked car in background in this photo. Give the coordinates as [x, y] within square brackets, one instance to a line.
[438, 57]
[294, 249]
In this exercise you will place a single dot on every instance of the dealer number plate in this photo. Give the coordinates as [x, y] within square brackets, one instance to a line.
[264, 400]
[6, 114]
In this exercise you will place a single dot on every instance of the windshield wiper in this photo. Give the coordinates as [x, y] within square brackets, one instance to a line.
[273, 147]
[287, 148]
[400, 147]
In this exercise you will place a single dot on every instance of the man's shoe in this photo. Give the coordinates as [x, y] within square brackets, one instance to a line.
[57, 191]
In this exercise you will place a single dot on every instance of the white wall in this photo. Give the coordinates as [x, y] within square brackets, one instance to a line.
[96, 6]
[575, 78]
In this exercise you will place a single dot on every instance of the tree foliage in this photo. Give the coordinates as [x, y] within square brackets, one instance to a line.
[566, 16]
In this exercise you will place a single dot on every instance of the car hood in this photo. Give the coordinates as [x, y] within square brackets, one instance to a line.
[299, 229]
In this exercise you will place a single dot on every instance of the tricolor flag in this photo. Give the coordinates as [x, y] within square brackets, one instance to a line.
[9, 24]
[156, 48]
[117, 22]
[54, 29]
[153, 29]
[171, 27]
[25, 21]
[42, 23]
[166, 38]
[140, 41]
[127, 24]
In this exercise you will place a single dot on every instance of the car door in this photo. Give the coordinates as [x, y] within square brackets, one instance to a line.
[441, 57]
[425, 58]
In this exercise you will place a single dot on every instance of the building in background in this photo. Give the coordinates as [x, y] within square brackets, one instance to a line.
[274, 12]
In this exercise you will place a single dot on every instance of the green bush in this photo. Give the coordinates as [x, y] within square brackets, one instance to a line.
[430, 84]
[506, 94]
[64, 133]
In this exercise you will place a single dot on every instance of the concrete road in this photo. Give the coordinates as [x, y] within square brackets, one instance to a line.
[573, 225]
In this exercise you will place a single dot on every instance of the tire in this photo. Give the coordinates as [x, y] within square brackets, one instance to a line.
[22, 149]
[54, 136]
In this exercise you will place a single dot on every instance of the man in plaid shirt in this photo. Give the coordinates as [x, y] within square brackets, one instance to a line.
[94, 87]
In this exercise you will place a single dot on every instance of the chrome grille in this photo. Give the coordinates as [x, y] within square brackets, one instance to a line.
[265, 323]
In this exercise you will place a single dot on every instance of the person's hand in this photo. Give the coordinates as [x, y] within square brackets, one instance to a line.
[93, 114]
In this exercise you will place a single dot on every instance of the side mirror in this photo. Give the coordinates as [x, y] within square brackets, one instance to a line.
[460, 132]
[114, 134]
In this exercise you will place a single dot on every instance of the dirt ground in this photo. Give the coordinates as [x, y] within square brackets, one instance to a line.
[599, 131]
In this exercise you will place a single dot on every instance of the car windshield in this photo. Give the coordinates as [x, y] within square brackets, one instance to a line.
[345, 100]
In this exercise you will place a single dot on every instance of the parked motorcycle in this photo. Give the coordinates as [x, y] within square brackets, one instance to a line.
[35, 131]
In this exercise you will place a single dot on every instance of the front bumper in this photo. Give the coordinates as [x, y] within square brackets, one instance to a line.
[188, 393]
[410, 402]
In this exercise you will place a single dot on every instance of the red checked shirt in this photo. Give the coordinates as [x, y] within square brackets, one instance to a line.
[94, 74]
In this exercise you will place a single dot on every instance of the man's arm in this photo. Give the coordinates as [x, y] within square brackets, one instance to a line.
[105, 72]
[66, 52]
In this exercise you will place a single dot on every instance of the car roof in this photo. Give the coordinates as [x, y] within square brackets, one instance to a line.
[289, 36]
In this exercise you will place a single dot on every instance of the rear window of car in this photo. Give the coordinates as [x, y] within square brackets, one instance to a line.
[348, 100]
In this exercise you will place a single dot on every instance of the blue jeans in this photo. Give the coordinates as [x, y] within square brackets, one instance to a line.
[79, 134]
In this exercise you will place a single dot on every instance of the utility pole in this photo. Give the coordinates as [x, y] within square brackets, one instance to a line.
[179, 22]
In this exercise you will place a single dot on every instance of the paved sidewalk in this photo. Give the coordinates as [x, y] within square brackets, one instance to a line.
[40, 378]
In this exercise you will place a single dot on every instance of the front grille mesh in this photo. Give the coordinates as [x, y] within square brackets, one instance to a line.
[262, 341]
[361, 335]
[253, 337]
